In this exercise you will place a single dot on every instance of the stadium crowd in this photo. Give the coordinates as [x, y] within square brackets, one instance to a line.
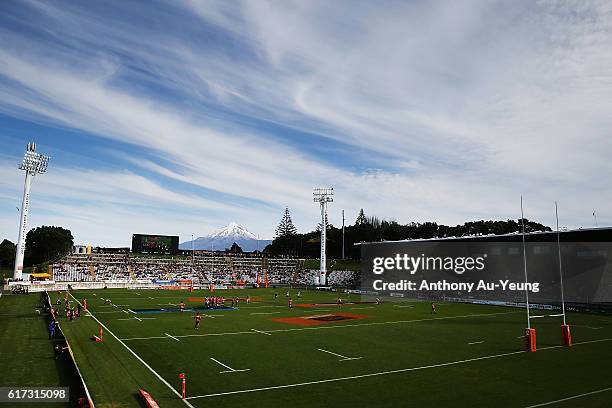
[199, 270]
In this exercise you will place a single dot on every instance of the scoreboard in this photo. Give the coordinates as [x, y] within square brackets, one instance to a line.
[155, 244]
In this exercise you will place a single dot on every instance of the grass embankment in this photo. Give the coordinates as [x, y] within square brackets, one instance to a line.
[26, 353]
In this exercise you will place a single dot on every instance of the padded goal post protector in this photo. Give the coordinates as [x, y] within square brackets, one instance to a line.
[183, 378]
[98, 339]
[530, 340]
[148, 399]
[566, 335]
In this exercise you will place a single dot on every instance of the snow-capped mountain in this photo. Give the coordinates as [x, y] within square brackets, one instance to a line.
[225, 237]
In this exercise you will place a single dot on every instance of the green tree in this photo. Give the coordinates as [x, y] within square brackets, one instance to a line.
[374, 229]
[7, 253]
[47, 243]
[235, 249]
[361, 218]
[327, 224]
[286, 227]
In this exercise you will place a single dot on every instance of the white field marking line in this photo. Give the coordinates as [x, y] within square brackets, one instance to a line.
[188, 335]
[171, 336]
[570, 398]
[131, 311]
[138, 318]
[587, 327]
[403, 305]
[118, 311]
[259, 307]
[262, 332]
[264, 313]
[342, 358]
[476, 342]
[151, 297]
[402, 370]
[229, 369]
[114, 305]
[125, 311]
[138, 357]
[359, 308]
[331, 327]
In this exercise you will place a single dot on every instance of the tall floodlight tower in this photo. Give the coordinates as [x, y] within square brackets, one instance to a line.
[33, 163]
[323, 195]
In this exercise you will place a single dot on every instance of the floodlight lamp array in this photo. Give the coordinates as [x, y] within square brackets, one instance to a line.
[34, 163]
[323, 194]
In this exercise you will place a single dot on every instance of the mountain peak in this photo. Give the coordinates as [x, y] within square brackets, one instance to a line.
[233, 229]
[225, 237]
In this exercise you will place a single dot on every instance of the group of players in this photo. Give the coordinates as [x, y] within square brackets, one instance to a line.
[70, 311]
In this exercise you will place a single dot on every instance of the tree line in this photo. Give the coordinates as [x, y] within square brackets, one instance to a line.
[374, 229]
[43, 244]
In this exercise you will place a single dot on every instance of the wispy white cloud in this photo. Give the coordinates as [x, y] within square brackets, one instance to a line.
[458, 107]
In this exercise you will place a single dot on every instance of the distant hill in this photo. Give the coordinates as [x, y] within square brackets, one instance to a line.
[225, 237]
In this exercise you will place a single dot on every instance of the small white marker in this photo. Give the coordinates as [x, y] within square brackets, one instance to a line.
[343, 358]
[229, 369]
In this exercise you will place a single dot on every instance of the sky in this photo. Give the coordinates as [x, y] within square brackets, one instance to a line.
[179, 117]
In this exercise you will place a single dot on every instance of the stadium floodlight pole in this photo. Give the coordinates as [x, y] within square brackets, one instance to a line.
[342, 234]
[192, 256]
[560, 265]
[525, 264]
[323, 195]
[595, 218]
[33, 163]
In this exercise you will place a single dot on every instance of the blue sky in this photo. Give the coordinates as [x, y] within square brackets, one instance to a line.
[178, 117]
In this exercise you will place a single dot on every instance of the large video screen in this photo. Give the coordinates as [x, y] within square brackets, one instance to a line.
[155, 244]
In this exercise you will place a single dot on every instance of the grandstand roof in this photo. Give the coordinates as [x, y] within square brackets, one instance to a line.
[599, 234]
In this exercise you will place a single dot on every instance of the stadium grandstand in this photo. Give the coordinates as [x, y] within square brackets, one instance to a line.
[202, 269]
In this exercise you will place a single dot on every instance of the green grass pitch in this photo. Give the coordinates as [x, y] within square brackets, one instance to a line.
[399, 354]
